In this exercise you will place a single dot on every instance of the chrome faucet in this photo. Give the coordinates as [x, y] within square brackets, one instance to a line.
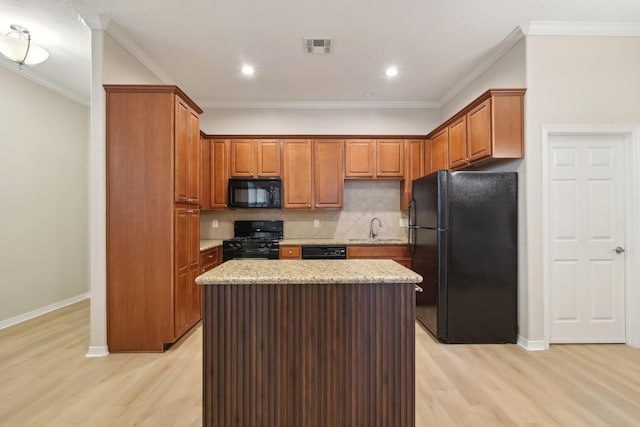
[373, 234]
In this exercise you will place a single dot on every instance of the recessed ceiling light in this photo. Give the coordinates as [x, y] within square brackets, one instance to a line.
[247, 70]
[391, 72]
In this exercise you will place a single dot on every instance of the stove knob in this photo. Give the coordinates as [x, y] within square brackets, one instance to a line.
[263, 245]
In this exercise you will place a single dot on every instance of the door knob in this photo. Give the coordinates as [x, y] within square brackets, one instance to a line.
[619, 249]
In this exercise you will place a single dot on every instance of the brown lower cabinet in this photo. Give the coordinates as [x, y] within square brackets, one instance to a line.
[187, 296]
[290, 252]
[210, 258]
[398, 253]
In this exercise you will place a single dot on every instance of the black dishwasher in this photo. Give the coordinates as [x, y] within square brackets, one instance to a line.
[324, 252]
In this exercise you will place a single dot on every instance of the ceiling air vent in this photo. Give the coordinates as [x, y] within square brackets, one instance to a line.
[318, 46]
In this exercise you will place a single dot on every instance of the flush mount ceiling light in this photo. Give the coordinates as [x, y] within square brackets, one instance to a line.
[391, 71]
[17, 46]
[247, 70]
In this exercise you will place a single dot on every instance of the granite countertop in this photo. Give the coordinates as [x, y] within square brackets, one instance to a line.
[209, 244]
[382, 241]
[348, 271]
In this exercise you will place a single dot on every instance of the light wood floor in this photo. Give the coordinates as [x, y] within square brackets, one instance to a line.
[46, 380]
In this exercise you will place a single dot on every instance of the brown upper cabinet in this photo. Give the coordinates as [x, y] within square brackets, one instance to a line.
[254, 158]
[438, 151]
[187, 153]
[296, 176]
[269, 155]
[313, 174]
[390, 158]
[414, 167]
[215, 159]
[219, 173]
[328, 173]
[371, 158]
[458, 143]
[360, 158]
[491, 128]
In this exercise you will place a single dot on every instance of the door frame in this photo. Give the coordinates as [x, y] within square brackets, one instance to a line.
[631, 153]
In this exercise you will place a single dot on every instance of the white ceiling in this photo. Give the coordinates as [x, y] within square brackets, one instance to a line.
[201, 44]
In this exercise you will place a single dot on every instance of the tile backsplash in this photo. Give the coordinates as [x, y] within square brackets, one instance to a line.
[363, 200]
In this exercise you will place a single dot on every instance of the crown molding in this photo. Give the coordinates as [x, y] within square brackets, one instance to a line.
[318, 105]
[565, 28]
[134, 49]
[505, 45]
[30, 75]
[95, 22]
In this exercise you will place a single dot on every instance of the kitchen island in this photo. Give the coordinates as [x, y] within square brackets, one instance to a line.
[308, 343]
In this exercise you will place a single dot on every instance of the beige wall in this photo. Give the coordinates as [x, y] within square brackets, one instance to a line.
[43, 166]
[319, 121]
[509, 71]
[570, 81]
[363, 200]
[120, 67]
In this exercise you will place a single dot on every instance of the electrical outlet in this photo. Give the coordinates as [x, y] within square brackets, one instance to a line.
[214, 223]
[316, 223]
[404, 222]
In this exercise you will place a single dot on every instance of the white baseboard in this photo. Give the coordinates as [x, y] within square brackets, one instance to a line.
[98, 351]
[40, 311]
[531, 345]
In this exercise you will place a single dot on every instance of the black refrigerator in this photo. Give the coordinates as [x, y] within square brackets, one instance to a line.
[463, 242]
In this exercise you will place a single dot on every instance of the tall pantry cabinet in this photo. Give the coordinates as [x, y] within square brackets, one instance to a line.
[153, 216]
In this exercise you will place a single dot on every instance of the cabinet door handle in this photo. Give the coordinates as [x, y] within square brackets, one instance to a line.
[210, 256]
[189, 210]
[371, 174]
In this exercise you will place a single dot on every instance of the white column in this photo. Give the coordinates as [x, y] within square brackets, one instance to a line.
[97, 193]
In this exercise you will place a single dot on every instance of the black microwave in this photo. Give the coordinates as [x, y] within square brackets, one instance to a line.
[255, 193]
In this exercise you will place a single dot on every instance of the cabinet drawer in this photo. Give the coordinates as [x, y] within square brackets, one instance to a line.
[209, 259]
[377, 251]
[290, 252]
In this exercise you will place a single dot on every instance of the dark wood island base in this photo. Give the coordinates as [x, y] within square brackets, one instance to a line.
[309, 355]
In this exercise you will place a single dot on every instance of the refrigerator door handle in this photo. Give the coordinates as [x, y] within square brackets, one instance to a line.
[412, 209]
[410, 230]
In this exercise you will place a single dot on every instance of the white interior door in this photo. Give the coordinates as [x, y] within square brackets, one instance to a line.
[586, 226]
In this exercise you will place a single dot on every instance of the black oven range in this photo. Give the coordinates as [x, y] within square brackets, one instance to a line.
[254, 239]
